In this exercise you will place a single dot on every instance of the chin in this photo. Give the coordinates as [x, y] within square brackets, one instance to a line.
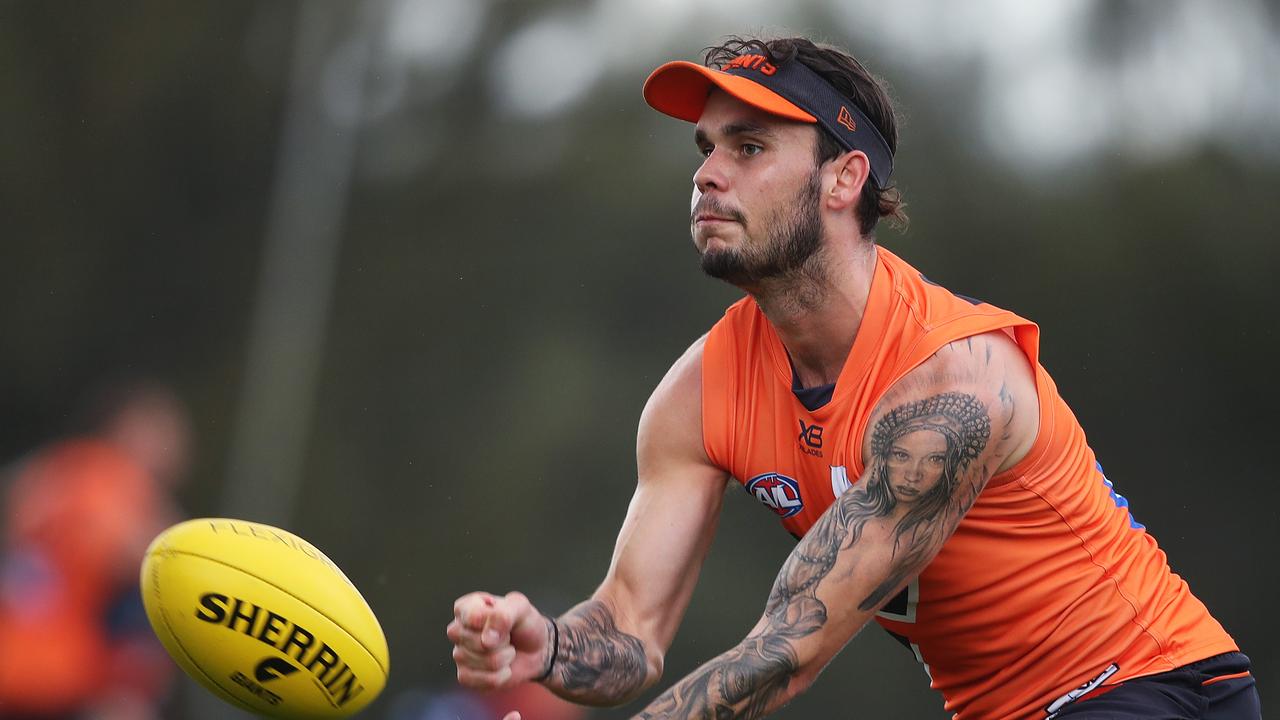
[725, 264]
[719, 249]
[710, 245]
[713, 242]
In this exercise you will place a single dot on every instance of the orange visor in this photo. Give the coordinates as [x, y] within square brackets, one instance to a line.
[679, 89]
[788, 90]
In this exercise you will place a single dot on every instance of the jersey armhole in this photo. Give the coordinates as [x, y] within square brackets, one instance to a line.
[1027, 338]
[718, 411]
[1026, 335]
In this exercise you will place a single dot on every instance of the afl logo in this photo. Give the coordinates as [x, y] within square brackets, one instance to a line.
[778, 492]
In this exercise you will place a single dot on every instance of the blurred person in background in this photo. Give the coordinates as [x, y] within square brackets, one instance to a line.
[77, 517]
[908, 437]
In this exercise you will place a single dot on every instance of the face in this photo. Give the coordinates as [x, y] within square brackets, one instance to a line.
[754, 213]
[916, 461]
[154, 429]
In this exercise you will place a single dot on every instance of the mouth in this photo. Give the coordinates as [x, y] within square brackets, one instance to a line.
[710, 219]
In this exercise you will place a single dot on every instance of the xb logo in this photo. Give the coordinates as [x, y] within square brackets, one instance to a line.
[273, 667]
[811, 435]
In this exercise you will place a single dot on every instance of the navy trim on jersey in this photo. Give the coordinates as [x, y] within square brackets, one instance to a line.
[814, 397]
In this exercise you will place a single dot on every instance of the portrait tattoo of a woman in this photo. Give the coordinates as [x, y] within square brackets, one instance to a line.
[918, 452]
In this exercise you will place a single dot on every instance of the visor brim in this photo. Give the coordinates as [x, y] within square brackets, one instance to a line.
[680, 88]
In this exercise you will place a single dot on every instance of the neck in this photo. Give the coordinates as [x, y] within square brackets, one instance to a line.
[817, 309]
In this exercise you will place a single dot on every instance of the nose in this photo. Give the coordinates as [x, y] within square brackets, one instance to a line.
[710, 175]
[915, 471]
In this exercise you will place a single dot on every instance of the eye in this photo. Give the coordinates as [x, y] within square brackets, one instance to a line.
[751, 149]
[705, 150]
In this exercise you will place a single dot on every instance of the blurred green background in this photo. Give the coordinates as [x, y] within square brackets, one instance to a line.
[415, 266]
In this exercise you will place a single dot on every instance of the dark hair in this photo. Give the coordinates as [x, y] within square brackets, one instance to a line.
[852, 80]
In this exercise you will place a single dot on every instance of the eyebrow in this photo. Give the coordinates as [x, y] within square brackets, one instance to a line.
[744, 127]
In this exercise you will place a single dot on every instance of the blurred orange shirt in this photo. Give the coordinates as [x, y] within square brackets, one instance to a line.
[1047, 583]
[78, 517]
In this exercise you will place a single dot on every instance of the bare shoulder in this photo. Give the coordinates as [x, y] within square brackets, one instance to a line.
[682, 383]
[671, 424]
[984, 378]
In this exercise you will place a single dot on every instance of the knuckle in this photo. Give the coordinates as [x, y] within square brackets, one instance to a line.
[475, 619]
[484, 660]
[499, 660]
[469, 602]
[471, 643]
[478, 680]
[460, 605]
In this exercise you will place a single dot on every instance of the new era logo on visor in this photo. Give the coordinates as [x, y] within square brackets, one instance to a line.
[845, 119]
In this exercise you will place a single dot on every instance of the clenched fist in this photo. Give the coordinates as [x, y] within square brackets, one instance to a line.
[499, 641]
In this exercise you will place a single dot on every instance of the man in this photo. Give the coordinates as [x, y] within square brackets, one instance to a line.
[79, 512]
[908, 436]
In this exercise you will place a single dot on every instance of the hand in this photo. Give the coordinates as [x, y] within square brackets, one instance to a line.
[498, 641]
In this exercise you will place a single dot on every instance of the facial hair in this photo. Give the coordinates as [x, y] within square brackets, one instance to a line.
[789, 245]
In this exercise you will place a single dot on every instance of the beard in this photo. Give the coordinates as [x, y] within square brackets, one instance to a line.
[791, 242]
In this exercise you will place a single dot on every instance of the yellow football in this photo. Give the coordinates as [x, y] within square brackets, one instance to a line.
[263, 619]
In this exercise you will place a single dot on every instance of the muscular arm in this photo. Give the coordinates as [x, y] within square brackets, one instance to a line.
[609, 648]
[612, 646]
[977, 393]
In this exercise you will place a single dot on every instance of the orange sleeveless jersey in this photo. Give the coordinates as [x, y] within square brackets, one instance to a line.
[1047, 582]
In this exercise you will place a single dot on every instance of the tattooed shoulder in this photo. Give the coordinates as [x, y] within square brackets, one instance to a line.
[979, 392]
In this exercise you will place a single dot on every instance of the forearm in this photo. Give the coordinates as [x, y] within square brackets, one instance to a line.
[758, 676]
[596, 663]
[781, 656]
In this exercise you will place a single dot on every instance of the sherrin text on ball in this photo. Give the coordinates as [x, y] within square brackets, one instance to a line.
[263, 619]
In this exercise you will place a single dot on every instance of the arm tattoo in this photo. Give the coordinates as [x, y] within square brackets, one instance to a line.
[739, 684]
[920, 475]
[920, 482]
[597, 662]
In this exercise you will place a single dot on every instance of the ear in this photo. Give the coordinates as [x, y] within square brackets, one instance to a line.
[844, 177]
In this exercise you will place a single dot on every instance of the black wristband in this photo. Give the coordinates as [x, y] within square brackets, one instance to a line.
[555, 649]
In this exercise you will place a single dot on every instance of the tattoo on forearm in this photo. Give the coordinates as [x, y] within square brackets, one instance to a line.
[921, 481]
[739, 684]
[596, 660]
